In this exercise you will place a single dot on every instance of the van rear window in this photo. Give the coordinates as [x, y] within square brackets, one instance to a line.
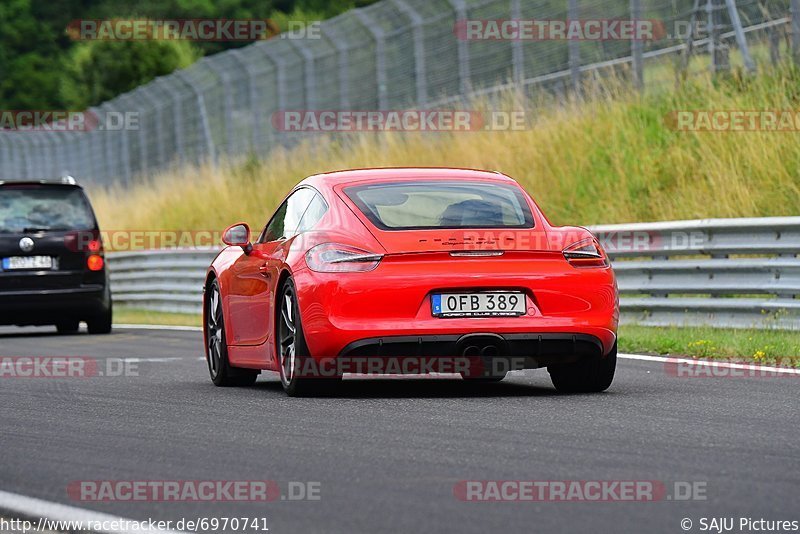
[29, 208]
[442, 204]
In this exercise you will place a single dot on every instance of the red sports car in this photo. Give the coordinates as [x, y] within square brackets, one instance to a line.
[410, 270]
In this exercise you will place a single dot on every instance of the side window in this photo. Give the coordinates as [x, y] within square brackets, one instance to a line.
[287, 218]
[316, 209]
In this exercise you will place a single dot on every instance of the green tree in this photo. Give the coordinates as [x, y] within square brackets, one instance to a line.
[96, 71]
[29, 59]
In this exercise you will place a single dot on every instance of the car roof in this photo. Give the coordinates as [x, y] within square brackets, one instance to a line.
[381, 174]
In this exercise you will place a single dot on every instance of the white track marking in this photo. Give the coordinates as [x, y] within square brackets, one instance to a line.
[35, 510]
[158, 327]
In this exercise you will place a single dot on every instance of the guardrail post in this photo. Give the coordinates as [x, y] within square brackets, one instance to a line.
[380, 56]
[419, 50]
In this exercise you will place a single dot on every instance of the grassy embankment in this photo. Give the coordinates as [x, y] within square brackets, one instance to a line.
[613, 159]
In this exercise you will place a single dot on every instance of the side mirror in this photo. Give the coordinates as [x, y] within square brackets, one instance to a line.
[238, 235]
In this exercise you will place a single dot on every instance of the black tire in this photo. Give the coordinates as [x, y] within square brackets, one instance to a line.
[592, 376]
[69, 326]
[293, 353]
[221, 372]
[100, 324]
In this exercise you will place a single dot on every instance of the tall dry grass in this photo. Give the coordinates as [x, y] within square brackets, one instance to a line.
[611, 159]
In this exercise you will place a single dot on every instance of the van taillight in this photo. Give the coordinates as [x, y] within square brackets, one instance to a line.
[95, 262]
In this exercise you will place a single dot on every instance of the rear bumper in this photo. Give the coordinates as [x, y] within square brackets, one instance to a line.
[521, 351]
[46, 306]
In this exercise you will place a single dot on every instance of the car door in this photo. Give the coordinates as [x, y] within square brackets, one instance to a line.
[252, 311]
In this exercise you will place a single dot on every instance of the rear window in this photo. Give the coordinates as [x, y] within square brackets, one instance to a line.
[442, 204]
[44, 208]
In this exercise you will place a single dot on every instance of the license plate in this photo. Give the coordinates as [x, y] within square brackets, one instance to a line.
[27, 262]
[499, 304]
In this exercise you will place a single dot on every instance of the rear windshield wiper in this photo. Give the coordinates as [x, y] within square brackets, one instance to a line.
[43, 228]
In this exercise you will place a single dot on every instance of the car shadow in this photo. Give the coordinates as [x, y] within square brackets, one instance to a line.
[418, 388]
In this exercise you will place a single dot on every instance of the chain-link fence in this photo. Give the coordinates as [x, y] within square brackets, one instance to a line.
[392, 55]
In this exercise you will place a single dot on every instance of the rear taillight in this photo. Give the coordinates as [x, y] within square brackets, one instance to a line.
[337, 258]
[586, 253]
[95, 262]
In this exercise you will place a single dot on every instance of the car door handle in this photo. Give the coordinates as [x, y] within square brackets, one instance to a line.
[264, 269]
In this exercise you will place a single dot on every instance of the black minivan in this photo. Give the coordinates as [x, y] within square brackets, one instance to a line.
[52, 266]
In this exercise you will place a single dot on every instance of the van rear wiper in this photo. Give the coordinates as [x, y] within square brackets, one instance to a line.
[37, 229]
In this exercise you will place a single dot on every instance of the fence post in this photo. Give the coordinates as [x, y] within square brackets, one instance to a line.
[309, 75]
[741, 40]
[637, 48]
[344, 65]
[380, 55]
[201, 106]
[796, 31]
[227, 105]
[158, 129]
[30, 168]
[39, 162]
[464, 75]
[177, 119]
[517, 52]
[419, 51]
[279, 63]
[124, 139]
[280, 67]
[7, 161]
[252, 93]
[574, 50]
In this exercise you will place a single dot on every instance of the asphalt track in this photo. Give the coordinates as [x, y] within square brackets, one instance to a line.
[388, 453]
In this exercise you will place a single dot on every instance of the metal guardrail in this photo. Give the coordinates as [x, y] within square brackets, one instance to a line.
[720, 272]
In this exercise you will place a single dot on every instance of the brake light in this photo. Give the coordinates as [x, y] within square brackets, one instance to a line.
[94, 245]
[338, 258]
[95, 262]
[586, 253]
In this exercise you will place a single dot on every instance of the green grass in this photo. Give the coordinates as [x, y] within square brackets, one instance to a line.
[123, 315]
[762, 346]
